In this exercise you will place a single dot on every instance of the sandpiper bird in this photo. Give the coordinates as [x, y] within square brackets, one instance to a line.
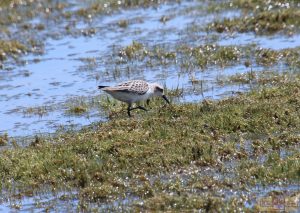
[134, 91]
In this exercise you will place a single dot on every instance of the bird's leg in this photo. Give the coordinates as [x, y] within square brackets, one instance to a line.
[139, 107]
[148, 102]
[129, 109]
[142, 108]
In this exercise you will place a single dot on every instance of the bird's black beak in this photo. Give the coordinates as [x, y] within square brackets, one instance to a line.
[166, 99]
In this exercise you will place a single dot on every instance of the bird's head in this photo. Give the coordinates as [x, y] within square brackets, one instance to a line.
[159, 91]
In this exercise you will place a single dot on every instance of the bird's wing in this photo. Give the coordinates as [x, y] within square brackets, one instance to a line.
[125, 86]
[135, 86]
[139, 87]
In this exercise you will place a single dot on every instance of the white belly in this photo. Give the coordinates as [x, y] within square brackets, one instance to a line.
[129, 97]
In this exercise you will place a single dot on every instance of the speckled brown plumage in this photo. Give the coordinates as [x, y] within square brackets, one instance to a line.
[134, 91]
[135, 86]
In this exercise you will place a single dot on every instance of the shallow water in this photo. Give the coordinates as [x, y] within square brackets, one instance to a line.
[68, 201]
[47, 80]
[57, 75]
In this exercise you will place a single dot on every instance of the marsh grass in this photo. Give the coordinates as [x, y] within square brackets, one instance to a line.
[103, 162]
[11, 48]
[258, 78]
[4, 139]
[261, 17]
[191, 59]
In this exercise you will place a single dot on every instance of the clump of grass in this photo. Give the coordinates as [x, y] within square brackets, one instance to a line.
[265, 22]
[292, 57]
[289, 201]
[40, 111]
[123, 23]
[160, 53]
[3, 139]
[77, 110]
[253, 5]
[177, 92]
[89, 31]
[89, 64]
[261, 78]
[11, 48]
[165, 202]
[139, 52]
[99, 7]
[164, 19]
[132, 51]
[244, 78]
[205, 55]
[81, 105]
[100, 193]
[267, 57]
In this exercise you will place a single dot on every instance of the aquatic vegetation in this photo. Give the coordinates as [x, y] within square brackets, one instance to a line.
[40, 111]
[259, 78]
[132, 51]
[253, 5]
[11, 48]
[77, 110]
[200, 56]
[263, 22]
[213, 54]
[123, 23]
[100, 161]
[164, 19]
[3, 139]
[284, 200]
[292, 57]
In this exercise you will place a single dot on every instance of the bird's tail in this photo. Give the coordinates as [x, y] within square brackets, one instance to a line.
[101, 87]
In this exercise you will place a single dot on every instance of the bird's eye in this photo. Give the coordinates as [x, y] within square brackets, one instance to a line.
[159, 89]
